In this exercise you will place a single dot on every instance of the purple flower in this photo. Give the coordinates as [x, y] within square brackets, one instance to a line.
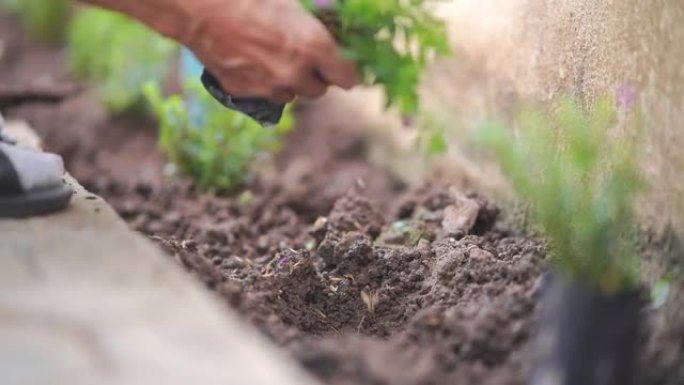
[283, 260]
[408, 120]
[322, 4]
[626, 97]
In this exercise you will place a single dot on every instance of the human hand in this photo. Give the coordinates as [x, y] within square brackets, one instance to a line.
[265, 48]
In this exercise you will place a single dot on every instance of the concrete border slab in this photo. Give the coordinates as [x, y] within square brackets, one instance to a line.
[84, 300]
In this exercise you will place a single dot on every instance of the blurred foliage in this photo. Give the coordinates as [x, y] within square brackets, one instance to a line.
[44, 20]
[208, 142]
[581, 185]
[391, 40]
[118, 55]
[432, 130]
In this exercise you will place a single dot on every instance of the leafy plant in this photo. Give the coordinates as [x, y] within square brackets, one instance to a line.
[44, 20]
[391, 40]
[118, 55]
[206, 141]
[581, 185]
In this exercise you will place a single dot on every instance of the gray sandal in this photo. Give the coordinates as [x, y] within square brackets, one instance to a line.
[31, 182]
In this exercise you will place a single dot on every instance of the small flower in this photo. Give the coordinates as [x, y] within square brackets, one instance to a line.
[626, 97]
[323, 4]
[408, 121]
[283, 260]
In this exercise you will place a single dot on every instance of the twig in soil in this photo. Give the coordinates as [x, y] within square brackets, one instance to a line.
[13, 96]
[320, 313]
[325, 319]
[245, 261]
[370, 299]
[360, 325]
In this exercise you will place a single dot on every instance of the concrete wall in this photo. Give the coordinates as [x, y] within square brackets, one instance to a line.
[512, 51]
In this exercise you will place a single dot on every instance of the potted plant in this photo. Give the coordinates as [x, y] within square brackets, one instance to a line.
[391, 41]
[580, 185]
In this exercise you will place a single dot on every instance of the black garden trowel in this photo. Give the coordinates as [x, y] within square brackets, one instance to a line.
[262, 110]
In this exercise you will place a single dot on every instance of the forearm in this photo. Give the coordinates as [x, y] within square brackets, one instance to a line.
[256, 48]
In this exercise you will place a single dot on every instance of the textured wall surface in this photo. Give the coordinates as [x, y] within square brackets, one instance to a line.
[514, 51]
[632, 50]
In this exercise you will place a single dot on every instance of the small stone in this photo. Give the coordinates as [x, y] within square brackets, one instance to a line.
[460, 217]
[423, 244]
[479, 255]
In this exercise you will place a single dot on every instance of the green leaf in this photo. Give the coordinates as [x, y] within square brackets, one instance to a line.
[660, 293]
[391, 41]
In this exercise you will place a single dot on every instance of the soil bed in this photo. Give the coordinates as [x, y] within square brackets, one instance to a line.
[363, 280]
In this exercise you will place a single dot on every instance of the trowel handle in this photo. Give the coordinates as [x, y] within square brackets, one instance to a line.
[262, 110]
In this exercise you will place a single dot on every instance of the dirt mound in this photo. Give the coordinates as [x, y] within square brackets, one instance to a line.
[354, 281]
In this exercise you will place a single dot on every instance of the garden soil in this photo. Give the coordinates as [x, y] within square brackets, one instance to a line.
[361, 279]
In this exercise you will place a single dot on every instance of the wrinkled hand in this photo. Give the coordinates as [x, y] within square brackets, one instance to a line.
[265, 48]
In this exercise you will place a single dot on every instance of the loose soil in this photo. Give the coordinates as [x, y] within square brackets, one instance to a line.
[363, 280]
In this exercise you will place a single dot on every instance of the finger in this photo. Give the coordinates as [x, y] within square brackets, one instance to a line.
[337, 71]
[310, 84]
[243, 85]
[295, 75]
[328, 62]
[321, 53]
[281, 96]
[246, 83]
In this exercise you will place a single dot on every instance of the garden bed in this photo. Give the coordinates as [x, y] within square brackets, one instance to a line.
[363, 280]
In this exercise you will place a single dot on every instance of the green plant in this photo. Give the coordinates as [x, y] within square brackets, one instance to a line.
[432, 134]
[44, 20]
[206, 141]
[118, 55]
[580, 184]
[391, 40]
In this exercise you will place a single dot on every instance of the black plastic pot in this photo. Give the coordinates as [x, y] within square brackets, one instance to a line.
[585, 337]
[261, 110]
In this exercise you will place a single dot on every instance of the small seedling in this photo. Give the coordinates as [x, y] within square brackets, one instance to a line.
[580, 184]
[411, 234]
[118, 55]
[402, 226]
[213, 145]
[391, 40]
